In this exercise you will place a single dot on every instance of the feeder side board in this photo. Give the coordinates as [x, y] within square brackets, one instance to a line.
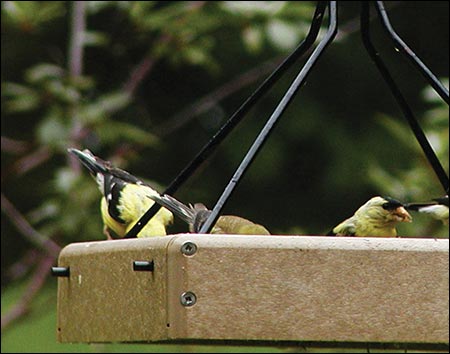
[104, 300]
[313, 289]
[257, 288]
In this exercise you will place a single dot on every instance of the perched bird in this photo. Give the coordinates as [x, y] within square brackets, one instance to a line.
[437, 209]
[125, 198]
[376, 218]
[196, 215]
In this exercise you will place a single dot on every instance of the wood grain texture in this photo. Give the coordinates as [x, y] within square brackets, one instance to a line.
[262, 288]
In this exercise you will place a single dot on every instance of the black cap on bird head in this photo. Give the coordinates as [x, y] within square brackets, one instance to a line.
[391, 203]
[396, 209]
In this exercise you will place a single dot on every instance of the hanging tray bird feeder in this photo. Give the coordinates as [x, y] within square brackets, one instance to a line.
[265, 290]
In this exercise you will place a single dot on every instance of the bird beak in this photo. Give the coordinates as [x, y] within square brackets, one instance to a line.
[402, 214]
[88, 161]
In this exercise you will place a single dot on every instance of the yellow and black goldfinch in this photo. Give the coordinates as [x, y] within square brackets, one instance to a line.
[437, 209]
[376, 218]
[125, 198]
[196, 215]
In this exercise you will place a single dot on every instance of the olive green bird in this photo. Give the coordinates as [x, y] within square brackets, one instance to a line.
[376, 218]
[438, 208]
[195, 216]
[124, 198]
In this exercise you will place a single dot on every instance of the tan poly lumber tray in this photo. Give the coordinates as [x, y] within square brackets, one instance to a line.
[256, 288]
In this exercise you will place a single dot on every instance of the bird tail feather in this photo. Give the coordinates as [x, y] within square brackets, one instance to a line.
[418, 206]
[184, 212]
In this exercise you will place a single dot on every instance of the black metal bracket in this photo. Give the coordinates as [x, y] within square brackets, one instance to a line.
[303, 48]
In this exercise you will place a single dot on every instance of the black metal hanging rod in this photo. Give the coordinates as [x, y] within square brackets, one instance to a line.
[440, 89]
[406, 110]
[226, 129]
[297, 83]
[262, 137]
[279, 110]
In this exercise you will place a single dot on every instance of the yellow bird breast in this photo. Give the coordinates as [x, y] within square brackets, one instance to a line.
[133, 203]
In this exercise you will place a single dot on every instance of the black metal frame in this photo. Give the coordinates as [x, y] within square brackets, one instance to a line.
[384, 71]
[223, 132]
[402, 47]
[303, 48]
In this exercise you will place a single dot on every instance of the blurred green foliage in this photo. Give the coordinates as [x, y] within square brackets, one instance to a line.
[147, 70]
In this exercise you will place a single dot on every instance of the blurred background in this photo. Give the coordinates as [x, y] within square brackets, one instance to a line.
[147, 84]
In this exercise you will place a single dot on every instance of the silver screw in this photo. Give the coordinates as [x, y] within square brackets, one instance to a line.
[188, 248]
[188, 298]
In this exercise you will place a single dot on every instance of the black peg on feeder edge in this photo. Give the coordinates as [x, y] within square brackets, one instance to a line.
[61, 271]
[143, 266]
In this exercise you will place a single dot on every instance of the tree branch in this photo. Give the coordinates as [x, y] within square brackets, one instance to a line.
[13, 146]
[32, 160]
[138, 75]
[145, 66]
[76, 44]
[22, 306]
[207, 102]
[37, 239]
[140, 72]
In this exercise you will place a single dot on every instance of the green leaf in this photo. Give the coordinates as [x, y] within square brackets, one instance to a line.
[65, 93]
[48, 11]
[97, 6]
[283, 35]
[20, 98]
[120, 131]
[196, 55]
[139, 10]
[47, 210]
[44, 72]
[13, 89]
[157, 19]
[65, 179]
[114, 101]
[52, 132]
[95, 39]
[430, 95]
[29, 14]
[396, 129]
[253, 38]
[82, 83]
[103, 107]
[251, 8]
